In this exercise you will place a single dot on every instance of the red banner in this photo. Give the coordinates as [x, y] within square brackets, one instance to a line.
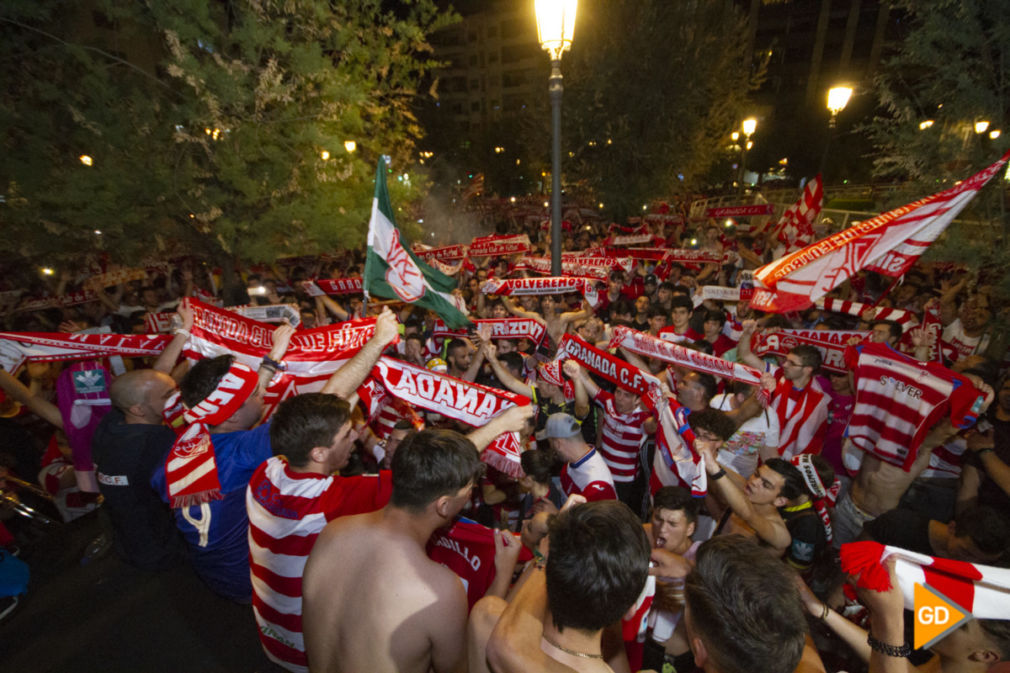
[741, 211]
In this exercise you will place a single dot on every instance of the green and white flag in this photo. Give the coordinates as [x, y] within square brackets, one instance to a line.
[393, 272]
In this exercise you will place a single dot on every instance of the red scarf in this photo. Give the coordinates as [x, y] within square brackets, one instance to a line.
[823, 498]
[470, 403]
[830, 343]
[543, 286]
[190, 468]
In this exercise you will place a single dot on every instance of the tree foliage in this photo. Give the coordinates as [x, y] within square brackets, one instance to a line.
[951, 68]
[206, 123]
[652, 90]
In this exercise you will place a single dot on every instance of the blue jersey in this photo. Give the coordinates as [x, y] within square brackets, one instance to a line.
[217, 531]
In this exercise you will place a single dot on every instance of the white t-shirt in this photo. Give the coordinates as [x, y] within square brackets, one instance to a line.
[740, 452]
[963, 344]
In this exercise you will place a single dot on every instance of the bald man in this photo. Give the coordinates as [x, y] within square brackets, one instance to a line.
[127, 446]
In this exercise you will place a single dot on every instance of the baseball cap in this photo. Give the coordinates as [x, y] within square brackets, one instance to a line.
[650, 279]
[560, 426]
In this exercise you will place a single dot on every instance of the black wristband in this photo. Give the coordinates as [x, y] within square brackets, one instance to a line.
[718, 475]
[273, 364]
[981, 451]
[890, 650]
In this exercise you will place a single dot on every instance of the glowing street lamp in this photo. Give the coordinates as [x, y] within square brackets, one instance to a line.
[838, 98]
[350, 146]
[86, 160]
[555, 30]
[981, 126]
[923, 125]
[994, 134]
[748, 126]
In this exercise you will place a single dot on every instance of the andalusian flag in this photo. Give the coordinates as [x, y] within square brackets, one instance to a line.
[393, 272]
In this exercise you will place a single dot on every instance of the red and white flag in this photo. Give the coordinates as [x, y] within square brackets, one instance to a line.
[796, 226]
[984, 591]
[888, 244]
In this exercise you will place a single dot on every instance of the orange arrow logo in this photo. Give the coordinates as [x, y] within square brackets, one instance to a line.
[935, 616]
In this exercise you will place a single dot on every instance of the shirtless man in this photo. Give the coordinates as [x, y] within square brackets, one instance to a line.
[556, 323]
[373, 600]
[673, 521]
[752, 507]
[556, 619]
[878, 486]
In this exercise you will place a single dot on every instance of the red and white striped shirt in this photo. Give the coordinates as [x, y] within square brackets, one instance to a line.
[589, 476]
[621, 437]
[287, 510]
[803, 417]
[945, 461]
[898, 399]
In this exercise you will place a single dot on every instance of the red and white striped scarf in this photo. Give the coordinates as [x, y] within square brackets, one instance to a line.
[984, 591]
[496, 246]
[16, 348]
[831, 344]
[823, 497]
[543, 286]
[589, 267]
[446, 253]
[69, 299]
[469, 403]
[857, 309]
[661, 349]
[501, 328]
[321, 286]
[675, 448]
[312, 356]
[190, 467]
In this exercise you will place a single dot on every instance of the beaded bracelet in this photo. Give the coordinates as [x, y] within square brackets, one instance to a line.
[890, 650]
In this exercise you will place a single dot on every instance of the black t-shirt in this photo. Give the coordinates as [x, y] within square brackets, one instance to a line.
[126, 456]
[989, 492]
[902, 528]
[807, 532]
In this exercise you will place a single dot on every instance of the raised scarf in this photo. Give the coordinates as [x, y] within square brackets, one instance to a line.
[823, 497]
[661, 349]
[190, 468]
[469, 403]
[830, 343]
[543, 286]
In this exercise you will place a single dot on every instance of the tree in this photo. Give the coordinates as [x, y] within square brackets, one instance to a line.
[652, 91]
[951, 70]
[216, 127]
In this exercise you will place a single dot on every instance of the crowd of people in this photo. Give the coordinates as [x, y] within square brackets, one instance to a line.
[692, 522]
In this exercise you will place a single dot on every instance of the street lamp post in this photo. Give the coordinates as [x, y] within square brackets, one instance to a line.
[748, 126]
[838, 98]
[555, 29]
